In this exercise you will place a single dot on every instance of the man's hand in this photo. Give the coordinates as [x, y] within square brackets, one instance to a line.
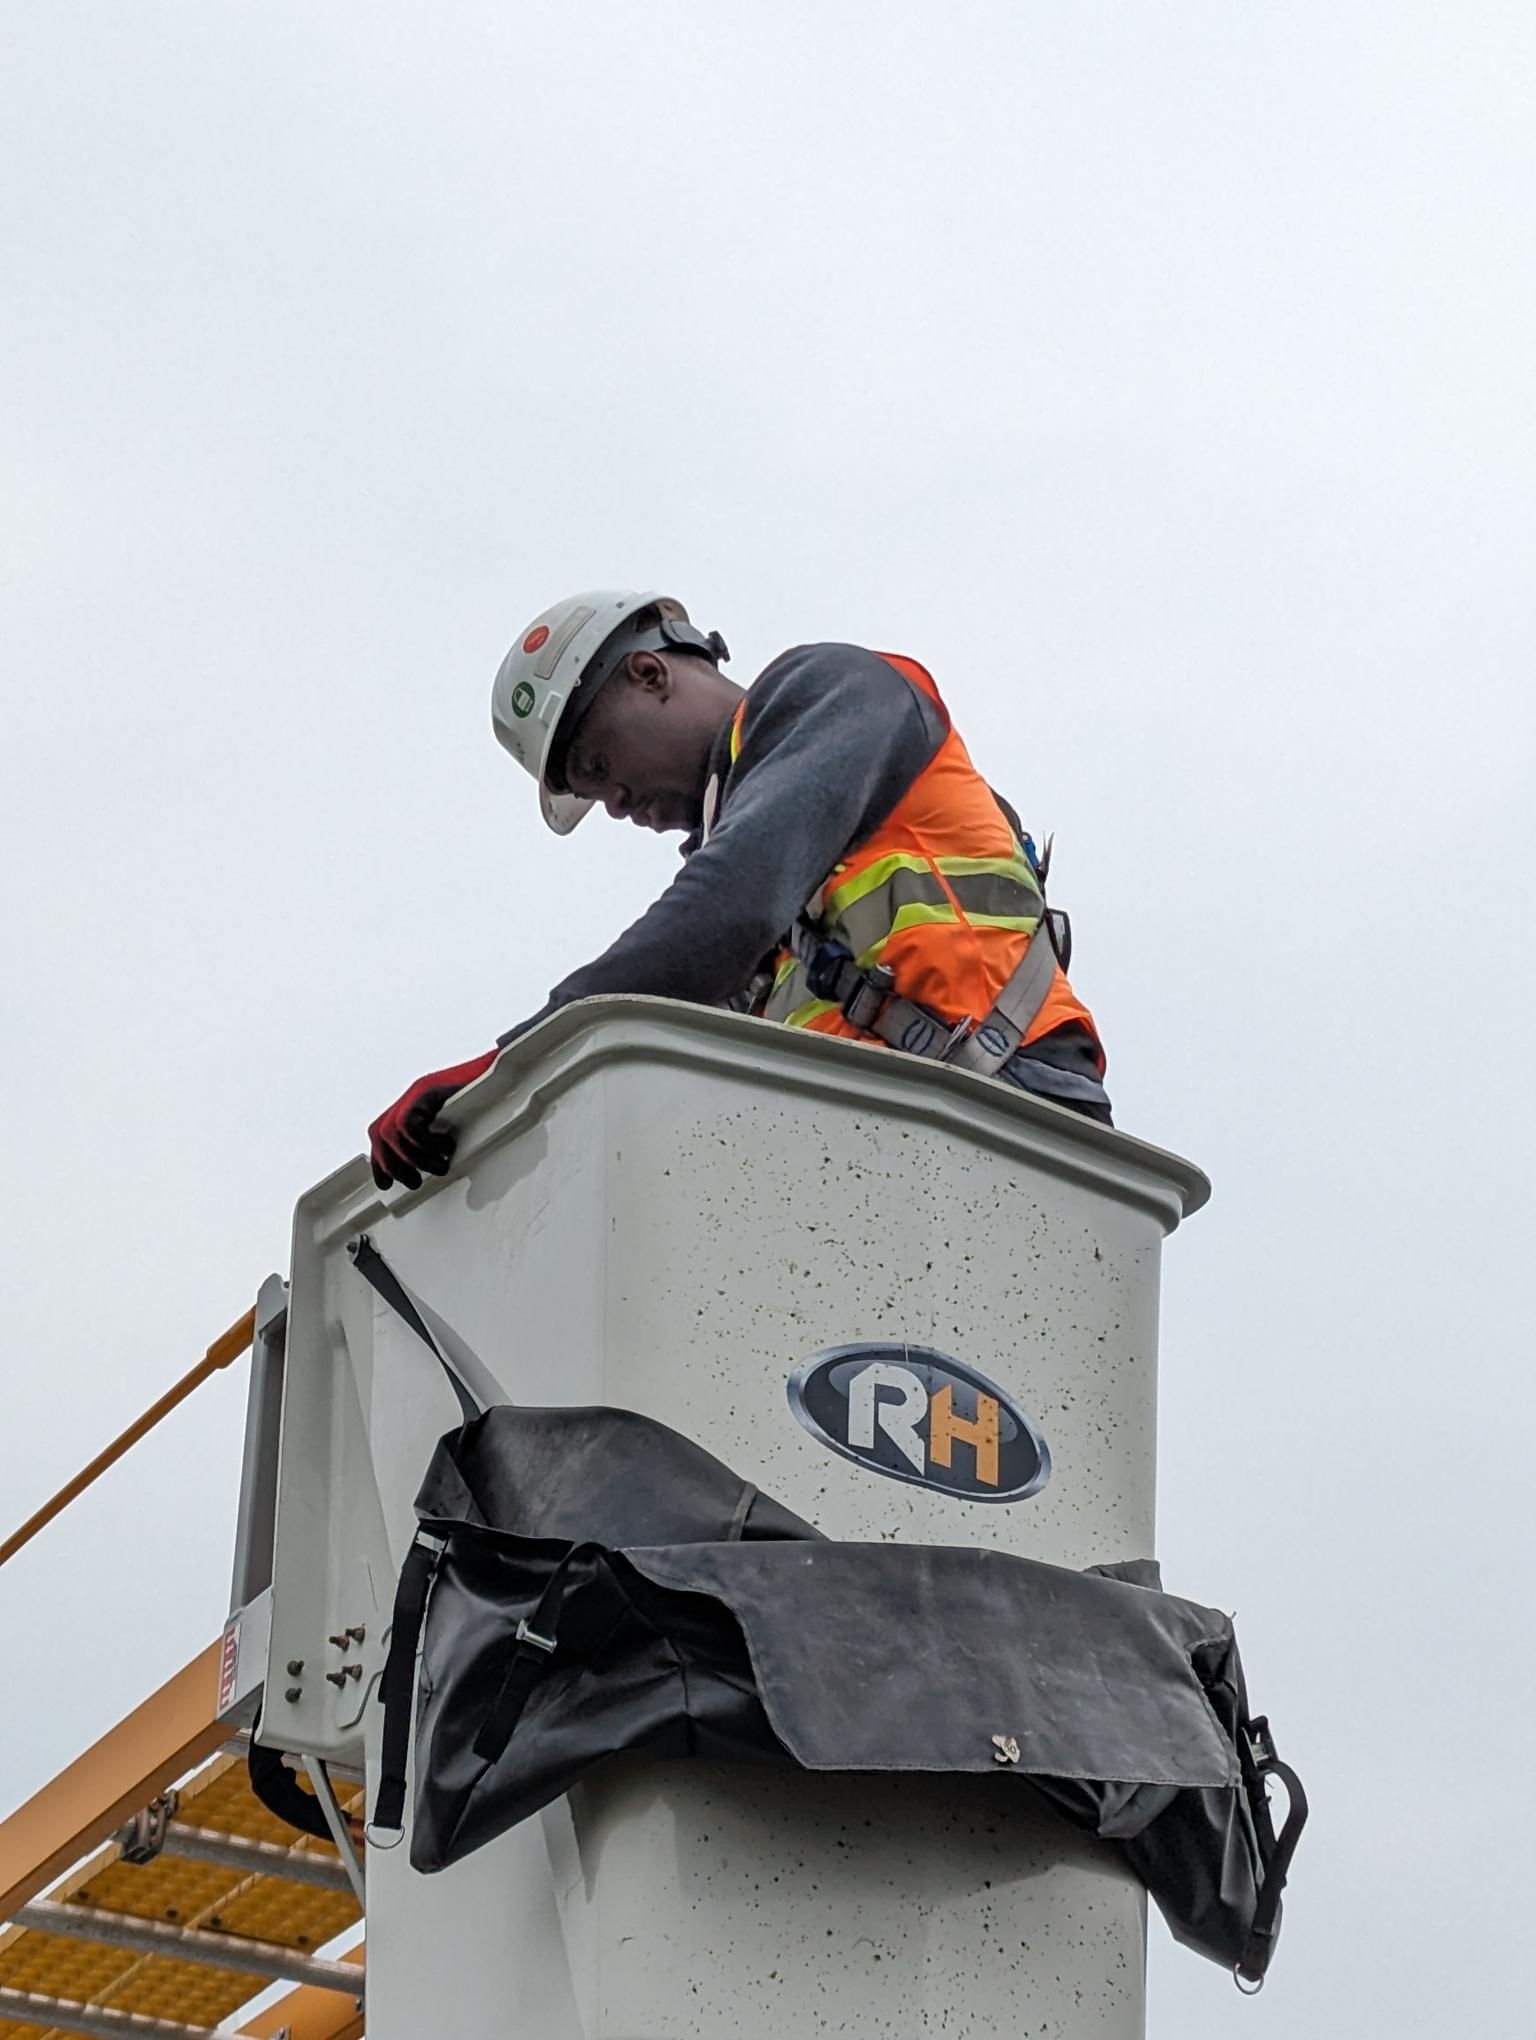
[403, 1141]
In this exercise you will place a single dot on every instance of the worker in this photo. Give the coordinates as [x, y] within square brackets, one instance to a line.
[846, 868]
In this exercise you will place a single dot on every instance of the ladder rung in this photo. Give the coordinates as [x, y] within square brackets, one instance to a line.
[189, 1944]
[255, 1858]
[28, 2008]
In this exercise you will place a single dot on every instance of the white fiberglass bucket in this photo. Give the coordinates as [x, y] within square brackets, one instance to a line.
[677, 1211]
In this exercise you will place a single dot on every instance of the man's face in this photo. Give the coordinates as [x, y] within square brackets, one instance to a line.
[639, 751]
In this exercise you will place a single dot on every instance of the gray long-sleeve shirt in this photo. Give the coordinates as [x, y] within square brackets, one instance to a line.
[833, 738]
[834, 735]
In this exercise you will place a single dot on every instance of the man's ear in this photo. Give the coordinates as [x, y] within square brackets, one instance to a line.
[649, 672]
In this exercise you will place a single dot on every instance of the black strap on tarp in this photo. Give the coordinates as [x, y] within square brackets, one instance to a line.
[536, 1639]
[532, 1647]
[533, 1644]
[398, 1681]
[1261, 1762]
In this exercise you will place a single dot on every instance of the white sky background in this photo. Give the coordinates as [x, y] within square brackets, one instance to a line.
[1162, 376]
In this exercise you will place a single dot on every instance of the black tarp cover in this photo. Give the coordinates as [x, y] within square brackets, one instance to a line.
[692, 1616]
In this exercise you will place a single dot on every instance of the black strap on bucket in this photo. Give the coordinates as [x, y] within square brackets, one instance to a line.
[398, 1682]
[280, 1792]
[376, 1271]
[534, 1642]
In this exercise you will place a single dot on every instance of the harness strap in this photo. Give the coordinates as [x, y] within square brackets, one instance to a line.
[997, 1039]
[870, 1002]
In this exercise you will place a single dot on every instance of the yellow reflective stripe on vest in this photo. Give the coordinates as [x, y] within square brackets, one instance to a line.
[867, 920]
[1016, 867]
[906, 893]
[915, 916]
[1022, 924]
[1013, 870]
[791, 990]
[988, 893]
[918, 917]
[790, 1002]
[840, 897]
[802, 1016]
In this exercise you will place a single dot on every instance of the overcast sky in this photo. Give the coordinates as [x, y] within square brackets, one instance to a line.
[1162, 376]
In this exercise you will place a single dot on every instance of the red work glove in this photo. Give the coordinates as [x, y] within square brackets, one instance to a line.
[403, 1141]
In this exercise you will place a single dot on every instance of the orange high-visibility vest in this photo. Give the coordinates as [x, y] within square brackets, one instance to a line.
[942, 894]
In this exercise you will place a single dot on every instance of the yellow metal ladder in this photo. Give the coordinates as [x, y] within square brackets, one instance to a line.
[149, 1892]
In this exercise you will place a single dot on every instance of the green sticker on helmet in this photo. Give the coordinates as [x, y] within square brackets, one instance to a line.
[523, 698]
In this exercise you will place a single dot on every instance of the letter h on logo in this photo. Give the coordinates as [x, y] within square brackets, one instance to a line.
[979, 1432]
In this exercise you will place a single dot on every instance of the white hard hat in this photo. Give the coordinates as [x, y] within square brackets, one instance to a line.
[555, 654]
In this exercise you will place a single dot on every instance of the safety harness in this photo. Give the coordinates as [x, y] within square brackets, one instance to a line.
[869, 1000]
[866, 994]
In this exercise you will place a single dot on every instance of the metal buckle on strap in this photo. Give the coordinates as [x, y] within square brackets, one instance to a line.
[869, 997]
[1261, 1743]
[961, 1032]
[527, 1635]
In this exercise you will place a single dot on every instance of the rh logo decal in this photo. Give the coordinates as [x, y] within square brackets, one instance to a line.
[917, 1415]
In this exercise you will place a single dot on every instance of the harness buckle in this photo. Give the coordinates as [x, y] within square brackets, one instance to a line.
[961, 1031]
[532, 1636]
[867, 1001]
[824, 966]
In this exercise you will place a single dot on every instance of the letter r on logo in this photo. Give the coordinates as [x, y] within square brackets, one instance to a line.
[898, 1420]
[979, 1432]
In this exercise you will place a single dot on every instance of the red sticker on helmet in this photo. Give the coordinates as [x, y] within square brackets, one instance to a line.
[536, 638]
